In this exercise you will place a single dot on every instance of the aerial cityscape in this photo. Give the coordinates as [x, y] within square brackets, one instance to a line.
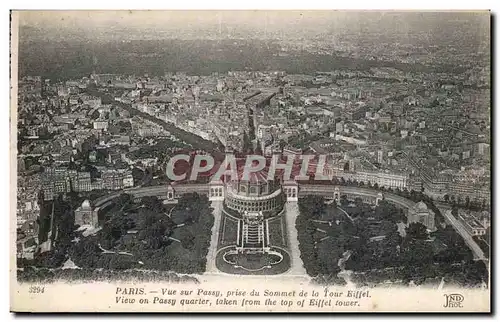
[358, 146]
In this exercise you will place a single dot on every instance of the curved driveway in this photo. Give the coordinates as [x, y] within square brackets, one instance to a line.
[305, 189]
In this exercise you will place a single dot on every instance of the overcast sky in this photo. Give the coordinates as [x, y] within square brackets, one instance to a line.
[174, 18]
[271, 20]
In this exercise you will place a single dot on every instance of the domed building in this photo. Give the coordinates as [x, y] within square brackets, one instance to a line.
[252, 235]
[421, 214]
[85, 215]
[255, 193]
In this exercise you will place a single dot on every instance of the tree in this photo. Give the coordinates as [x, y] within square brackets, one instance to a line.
[258, 149]
[362, 226]
[312, 206]
[120, 262]
[154, 229]
[50, 259]
[186, 238]
[153, 204]
[117, 225]
[343, 201]
[329, 253]
[247, 143]
[85, 253]
[416, 231]
[123, 200]
[282, 144]
[359, 202]
[393, 239]
[417, 254]
[388, 227]
[95, 115]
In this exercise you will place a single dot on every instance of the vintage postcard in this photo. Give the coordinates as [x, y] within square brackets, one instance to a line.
[250, 161]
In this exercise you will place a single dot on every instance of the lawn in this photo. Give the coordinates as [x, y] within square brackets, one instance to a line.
[228, 233]
[277, 231]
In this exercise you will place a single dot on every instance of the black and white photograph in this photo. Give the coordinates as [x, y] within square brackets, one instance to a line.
[251, 160]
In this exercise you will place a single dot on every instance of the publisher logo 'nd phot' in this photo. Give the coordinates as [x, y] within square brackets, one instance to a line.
[453, 300]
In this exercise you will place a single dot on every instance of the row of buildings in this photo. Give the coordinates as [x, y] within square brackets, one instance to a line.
[445, 186]
[60, 180]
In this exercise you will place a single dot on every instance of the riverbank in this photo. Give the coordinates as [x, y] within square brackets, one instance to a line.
[197, 142]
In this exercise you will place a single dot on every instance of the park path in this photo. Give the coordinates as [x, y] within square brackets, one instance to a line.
[212, 250]
[297, 266]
